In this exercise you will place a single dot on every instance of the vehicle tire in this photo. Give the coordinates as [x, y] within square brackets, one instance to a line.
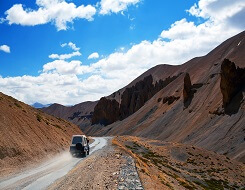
[79, 146]
[88, 152]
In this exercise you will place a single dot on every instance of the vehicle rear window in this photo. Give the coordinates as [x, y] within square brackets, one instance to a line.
[76, 140]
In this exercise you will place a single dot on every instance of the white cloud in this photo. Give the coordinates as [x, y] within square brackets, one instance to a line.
[65, 56]
[233, 12]
[71, 45]
[115, 6]
[94, 55]
[65, 68]
[68, 55]
[54, 87]
[58, 11]
[5, 48]
[72, 82]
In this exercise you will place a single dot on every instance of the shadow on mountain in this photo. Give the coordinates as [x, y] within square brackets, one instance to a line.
[235, 104]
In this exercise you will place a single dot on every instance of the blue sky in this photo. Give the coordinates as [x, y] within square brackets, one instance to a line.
[30, 46]
[118, 32]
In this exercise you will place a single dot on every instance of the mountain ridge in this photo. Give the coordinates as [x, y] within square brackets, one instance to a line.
[201, 120]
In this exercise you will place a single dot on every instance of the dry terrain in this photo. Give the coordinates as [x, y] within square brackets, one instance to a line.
[201, 103]
[165, 165]
[28, 136]
[190, 110]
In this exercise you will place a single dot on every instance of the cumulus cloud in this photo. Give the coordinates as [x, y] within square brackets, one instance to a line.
[54, 87]
[94, 55]
[68, 55]
[65, 68]
[70, 82]
[232, 12]
[115, 6]
[55, 11]
[71, 45]
[5, 48]
[65, 56]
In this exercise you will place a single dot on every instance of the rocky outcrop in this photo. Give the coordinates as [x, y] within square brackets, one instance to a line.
[187, 93]
[170, 99]
[232, 80]
[135, 97]
[189, 90]
[132, 99]
[232, 84]
[106, 112]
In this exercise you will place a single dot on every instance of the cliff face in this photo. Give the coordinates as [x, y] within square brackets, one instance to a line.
[232, 83]
[106, 112]
[133, 98]
[187, 88]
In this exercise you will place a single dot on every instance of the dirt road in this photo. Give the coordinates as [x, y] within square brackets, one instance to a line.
[46, 174]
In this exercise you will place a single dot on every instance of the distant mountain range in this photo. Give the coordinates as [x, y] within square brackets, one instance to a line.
[39, 105]
[201, 103]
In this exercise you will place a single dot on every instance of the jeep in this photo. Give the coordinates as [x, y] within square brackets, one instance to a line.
[79, 145]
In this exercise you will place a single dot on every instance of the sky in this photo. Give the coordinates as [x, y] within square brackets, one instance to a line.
[71, 51]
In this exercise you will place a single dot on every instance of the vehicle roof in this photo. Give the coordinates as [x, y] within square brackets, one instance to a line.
[79, 136]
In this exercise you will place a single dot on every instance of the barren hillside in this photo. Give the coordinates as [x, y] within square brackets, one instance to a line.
[195, 103]
[28, 135]
[79, 114]
[200, 118]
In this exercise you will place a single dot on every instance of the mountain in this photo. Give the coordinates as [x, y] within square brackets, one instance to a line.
[79, 114]
[203, 106]
[200, 103]
[28, 135]
[39, 105]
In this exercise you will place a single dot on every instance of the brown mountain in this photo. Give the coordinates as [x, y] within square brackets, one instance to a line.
[200, 102]
[203, 106]
[79, 114]
[28, 135]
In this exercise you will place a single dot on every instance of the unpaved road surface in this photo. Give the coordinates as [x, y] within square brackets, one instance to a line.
[46, 174]
[108, 168]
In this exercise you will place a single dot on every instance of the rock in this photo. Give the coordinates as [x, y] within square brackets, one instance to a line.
[106, 112]
[232, 80]
[170, 99]
[187, 93]
[133, 98]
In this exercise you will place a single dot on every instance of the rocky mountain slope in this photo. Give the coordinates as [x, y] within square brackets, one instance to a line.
[28, 135]
[79, 114]
[203, 106]
[200, 102]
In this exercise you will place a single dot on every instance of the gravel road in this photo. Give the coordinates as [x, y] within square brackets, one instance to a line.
[107, 167]
[44, 175]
